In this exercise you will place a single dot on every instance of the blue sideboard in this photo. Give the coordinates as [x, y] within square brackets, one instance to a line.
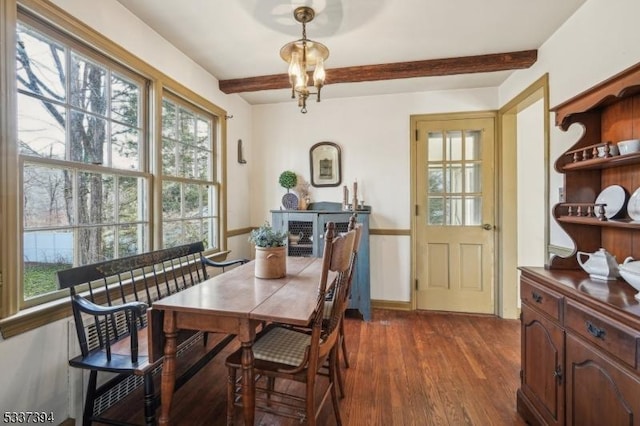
[309, 225]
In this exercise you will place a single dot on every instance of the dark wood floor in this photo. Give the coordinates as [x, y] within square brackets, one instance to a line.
[407, 368]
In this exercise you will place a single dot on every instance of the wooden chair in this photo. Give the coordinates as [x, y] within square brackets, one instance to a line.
[357, 227]
[328, 306]
[110, 301]
[286, 353]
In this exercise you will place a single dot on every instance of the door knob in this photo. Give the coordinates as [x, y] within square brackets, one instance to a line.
[487, 227]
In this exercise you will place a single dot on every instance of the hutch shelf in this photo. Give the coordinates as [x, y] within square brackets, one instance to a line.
[308, 226]
[581, 337]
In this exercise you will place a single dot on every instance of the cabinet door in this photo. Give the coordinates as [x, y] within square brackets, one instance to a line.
[302, 225]
[542, 364]
[302, 229]
[599, 391]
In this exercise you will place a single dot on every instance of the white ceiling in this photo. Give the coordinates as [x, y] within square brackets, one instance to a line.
[242, 38]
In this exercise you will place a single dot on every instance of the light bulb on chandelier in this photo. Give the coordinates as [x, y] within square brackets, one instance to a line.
[302, 56]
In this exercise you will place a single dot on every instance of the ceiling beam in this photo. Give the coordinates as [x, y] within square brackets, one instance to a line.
[427, 68]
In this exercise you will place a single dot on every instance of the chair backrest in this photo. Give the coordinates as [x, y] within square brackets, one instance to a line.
[141, 278]
[336, 257]
[354, 225]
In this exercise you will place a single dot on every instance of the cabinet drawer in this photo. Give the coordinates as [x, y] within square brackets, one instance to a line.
[613, 337]
[540, 298]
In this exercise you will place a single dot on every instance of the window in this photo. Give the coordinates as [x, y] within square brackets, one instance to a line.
[85, 157]
[189, 193]
[79, 122]
[454, 178]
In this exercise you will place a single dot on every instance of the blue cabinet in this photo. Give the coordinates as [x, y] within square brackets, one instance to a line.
[306, 229]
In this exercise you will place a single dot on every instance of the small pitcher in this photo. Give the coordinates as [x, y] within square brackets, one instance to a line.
[600, 265]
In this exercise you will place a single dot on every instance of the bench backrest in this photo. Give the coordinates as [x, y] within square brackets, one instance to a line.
[140, 278]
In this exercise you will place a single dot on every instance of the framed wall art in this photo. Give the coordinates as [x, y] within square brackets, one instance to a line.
[326, 167]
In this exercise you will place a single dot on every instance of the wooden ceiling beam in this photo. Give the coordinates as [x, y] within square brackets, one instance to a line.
[426, 68]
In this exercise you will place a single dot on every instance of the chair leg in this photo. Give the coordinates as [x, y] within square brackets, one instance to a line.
[149, 401]
[310, 397]
[231, 395]
[336, 362]
[343, 344]
[90, 400]
[334, 369]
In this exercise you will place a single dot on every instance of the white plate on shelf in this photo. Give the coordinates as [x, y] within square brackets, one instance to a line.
[614, 197]
[633, 207]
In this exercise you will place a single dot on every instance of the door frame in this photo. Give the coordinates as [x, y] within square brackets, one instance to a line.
[506, 195]
[413, 176]
[507, 272]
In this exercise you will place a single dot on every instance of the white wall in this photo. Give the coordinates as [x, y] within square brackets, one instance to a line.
[600, 40]
[373, 134]
[34, 371]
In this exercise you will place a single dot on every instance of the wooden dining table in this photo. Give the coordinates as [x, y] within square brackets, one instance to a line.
[236, 302]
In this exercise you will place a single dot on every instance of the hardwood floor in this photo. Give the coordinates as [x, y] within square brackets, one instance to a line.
[407, 368]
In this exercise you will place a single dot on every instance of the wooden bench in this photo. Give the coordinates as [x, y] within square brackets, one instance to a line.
[110, 301]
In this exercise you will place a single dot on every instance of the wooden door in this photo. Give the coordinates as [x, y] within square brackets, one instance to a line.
[454, 182]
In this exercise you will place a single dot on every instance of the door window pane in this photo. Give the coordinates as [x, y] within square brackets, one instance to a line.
[455, 212]
[473, 211]
[454, 145]
[473, 178]
[436, 179]
[472, 145]
[436, 210]
[453, 178]
[435, 146]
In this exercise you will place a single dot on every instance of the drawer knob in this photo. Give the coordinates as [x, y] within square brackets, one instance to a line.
[536, 297]
[596, 332]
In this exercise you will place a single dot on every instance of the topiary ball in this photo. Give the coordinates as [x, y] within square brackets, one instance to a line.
[288, 179]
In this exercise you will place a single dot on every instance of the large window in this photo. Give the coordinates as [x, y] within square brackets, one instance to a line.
[86, 157]
[189, 193]
[80, 134]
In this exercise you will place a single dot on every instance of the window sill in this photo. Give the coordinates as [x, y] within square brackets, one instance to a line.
[46, 313]
[32, 318]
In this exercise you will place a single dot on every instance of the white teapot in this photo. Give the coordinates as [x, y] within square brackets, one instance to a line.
[600, 265]
[630, 272]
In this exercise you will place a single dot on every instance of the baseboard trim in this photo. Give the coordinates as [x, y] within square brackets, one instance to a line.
[391, 304]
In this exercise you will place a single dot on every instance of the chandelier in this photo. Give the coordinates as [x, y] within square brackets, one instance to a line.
[302, 56]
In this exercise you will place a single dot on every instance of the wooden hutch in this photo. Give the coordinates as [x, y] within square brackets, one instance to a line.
[581, 337]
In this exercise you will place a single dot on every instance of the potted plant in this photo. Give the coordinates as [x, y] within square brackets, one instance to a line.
[271, 254]
[288, 180]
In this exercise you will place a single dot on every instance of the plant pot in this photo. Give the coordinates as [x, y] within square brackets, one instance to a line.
[271, 262]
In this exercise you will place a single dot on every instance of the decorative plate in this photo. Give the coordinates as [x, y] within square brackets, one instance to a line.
[290, 201]
[633, 207]
[614, 197]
